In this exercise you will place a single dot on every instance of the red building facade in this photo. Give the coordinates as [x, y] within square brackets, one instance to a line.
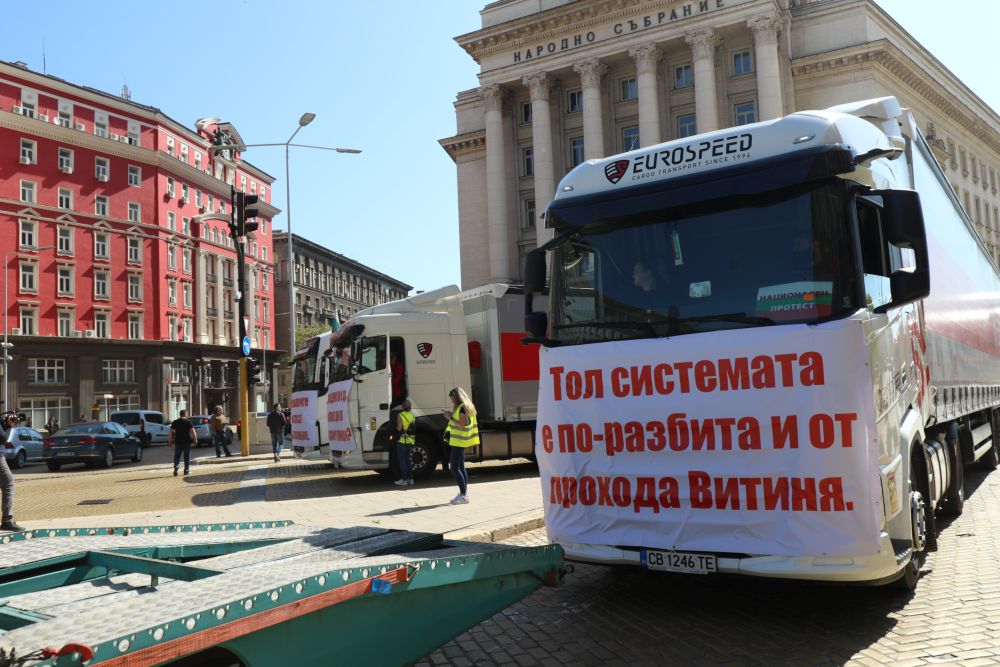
[119, 272]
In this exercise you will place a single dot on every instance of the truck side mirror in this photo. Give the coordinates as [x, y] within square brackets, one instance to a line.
[535, 322]
[903, 226]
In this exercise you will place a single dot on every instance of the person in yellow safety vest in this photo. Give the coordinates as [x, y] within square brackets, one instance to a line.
[463, 432]
[404, 428]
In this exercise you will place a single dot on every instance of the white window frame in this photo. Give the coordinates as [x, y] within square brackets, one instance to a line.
[134, 211]
[172, 293]
[28, 234]
[627, 140]
[66, 160]
[680, 124]
[101, 127]
[135, 287]
[65, 199]
[680, 80]
[118, 371]
[171, 221]
[170, 146]
[46, 370]
[28, 319]
[29, 150]
[64, 240]
[28, 277]
[64, 281]
[135, 326]
[737, 113]
[102, 245]
[29, 192]
[628, 89]
[102, 166]
[134, 176]
[64, 323]
[186, 291]
[134, 250]
[574, 101]
[186, 259]
[748, 54]
[102, 324]
[102, 284]
[576, 151]
[172, 257]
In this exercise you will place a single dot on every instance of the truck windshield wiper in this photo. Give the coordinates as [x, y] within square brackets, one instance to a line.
[742, 318]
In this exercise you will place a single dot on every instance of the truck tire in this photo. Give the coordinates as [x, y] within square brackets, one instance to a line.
[919, 478]
[424, 456]
[918, 510]
[954, 498]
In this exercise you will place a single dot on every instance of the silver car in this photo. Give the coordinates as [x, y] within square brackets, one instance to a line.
[203, 428]
[25, 445]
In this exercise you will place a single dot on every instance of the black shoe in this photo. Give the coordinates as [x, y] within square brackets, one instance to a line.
[228, 454]
[218, 456]
[175, 472]
[11, 526]
[187, 472]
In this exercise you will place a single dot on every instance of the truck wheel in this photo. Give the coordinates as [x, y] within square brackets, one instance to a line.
[954, 498]
[423, 456]
[918, 477]
[918, 525]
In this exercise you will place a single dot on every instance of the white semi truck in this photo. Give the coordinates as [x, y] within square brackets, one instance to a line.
[769, 350]
[343, 385]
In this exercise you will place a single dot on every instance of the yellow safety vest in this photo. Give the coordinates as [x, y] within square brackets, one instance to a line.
[407, 419]
[467, 437]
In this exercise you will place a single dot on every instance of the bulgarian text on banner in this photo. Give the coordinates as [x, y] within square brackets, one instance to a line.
[304, 410]
[752, 441]
[338, 423]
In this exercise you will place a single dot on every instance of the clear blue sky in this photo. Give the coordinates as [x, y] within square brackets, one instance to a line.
[381, 77]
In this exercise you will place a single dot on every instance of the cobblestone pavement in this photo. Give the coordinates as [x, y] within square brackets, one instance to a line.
[625, 616]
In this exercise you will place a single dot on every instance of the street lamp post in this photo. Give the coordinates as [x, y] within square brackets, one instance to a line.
[7, 345]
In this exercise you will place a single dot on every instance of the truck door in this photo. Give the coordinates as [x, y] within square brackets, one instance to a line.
[374, 387]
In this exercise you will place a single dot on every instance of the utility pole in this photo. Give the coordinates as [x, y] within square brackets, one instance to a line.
[240, 204]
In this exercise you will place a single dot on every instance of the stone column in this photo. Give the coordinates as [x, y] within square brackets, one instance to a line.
[646, 57]
[220, 329]
[496, 184]
[590, 72]
[706, 102]
[249, 296]
[541, 136]
[765, 39]
[200, 297]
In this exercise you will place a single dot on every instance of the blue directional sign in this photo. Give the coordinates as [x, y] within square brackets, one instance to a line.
[245, 346]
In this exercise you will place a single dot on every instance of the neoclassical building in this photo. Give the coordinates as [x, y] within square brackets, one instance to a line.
[563, 81]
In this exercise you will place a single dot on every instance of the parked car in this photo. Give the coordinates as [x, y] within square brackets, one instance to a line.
[93, 443]
[151, 422]
[203, 427]
[25, 445]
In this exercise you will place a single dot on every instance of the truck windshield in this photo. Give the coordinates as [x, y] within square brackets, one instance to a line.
[631, 270]
[306, 362]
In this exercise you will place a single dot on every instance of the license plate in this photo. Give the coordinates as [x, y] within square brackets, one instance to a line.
[678, 561]
[65, 453]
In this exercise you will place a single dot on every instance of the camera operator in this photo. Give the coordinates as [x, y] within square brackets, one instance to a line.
[8, 420]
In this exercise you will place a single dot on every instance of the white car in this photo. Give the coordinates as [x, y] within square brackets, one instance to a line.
[25, 445]
[152, 422]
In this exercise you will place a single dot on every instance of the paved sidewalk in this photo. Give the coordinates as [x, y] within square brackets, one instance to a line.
[497, 510]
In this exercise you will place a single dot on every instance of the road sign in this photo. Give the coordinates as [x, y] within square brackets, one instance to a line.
[246, 346]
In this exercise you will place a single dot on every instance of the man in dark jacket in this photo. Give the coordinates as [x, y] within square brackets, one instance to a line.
[276, 425]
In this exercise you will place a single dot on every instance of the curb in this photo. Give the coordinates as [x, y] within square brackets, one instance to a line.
[500, 530]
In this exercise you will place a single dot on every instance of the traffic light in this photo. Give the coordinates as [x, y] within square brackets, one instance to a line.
[245, 212]
[253, 372]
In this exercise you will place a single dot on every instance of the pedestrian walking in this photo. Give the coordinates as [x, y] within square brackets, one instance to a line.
[276, 425]
[463, 432]
[7, 424]
[182, 434]
[221, 435]
[404, 440]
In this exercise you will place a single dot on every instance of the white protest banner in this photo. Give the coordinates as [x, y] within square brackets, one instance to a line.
[337, 419]
[304, 410]
[757, 441]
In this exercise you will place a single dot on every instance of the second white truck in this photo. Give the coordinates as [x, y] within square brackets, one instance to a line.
[346, 387]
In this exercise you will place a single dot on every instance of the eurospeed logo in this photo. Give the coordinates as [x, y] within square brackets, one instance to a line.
[615, 170]
[716, 152]
[424, 349]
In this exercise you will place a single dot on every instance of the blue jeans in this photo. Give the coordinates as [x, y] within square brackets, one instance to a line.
[458, 469]
[219, 440]
[405, 464]
[277, 442]
[186, 449]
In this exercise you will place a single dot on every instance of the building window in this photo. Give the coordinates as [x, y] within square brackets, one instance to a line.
[171, 221]
[745, 113]
[135, 326]
[101, 249]
[135, 287]
[180, 372]
[263, 253]
[263, 194]
[101, 127]
[529, 213]
[630, 139]
[28, 192]
[46, 371]
[627, 89]
[65, 199]
[253, 187]
[27, 321]
[101, 206]
[66, 160]
[525, 112]
[40, 409]
[64, 240]
[170, 146]
[184, 193]
[741, 63]
[102, 170]
[29, 282]
[172, 293]
[28, 149]
[184, 153]
[135, 251]
[528, 161]
[187, 260]
[64, 118]
[575, 151]
[27, 234]
[101, 285]
[133, 136]
[197, 198]
[574, 102]
[65, 281]
[686, 125]
[171, 190]
[28, 108]
[102, 324]
[243, 183]
[683, 76]
[186, 226]
[134, 175]
[172, 257]
[197, 160]
[118, 371]
[134, 212]
[65, 323]
[186, 289]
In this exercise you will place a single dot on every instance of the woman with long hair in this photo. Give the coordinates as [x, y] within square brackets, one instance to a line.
[463, 432]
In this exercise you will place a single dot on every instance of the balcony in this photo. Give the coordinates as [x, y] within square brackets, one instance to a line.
[211, 277]
[212, 312]
[227, 282]
[228, 314]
